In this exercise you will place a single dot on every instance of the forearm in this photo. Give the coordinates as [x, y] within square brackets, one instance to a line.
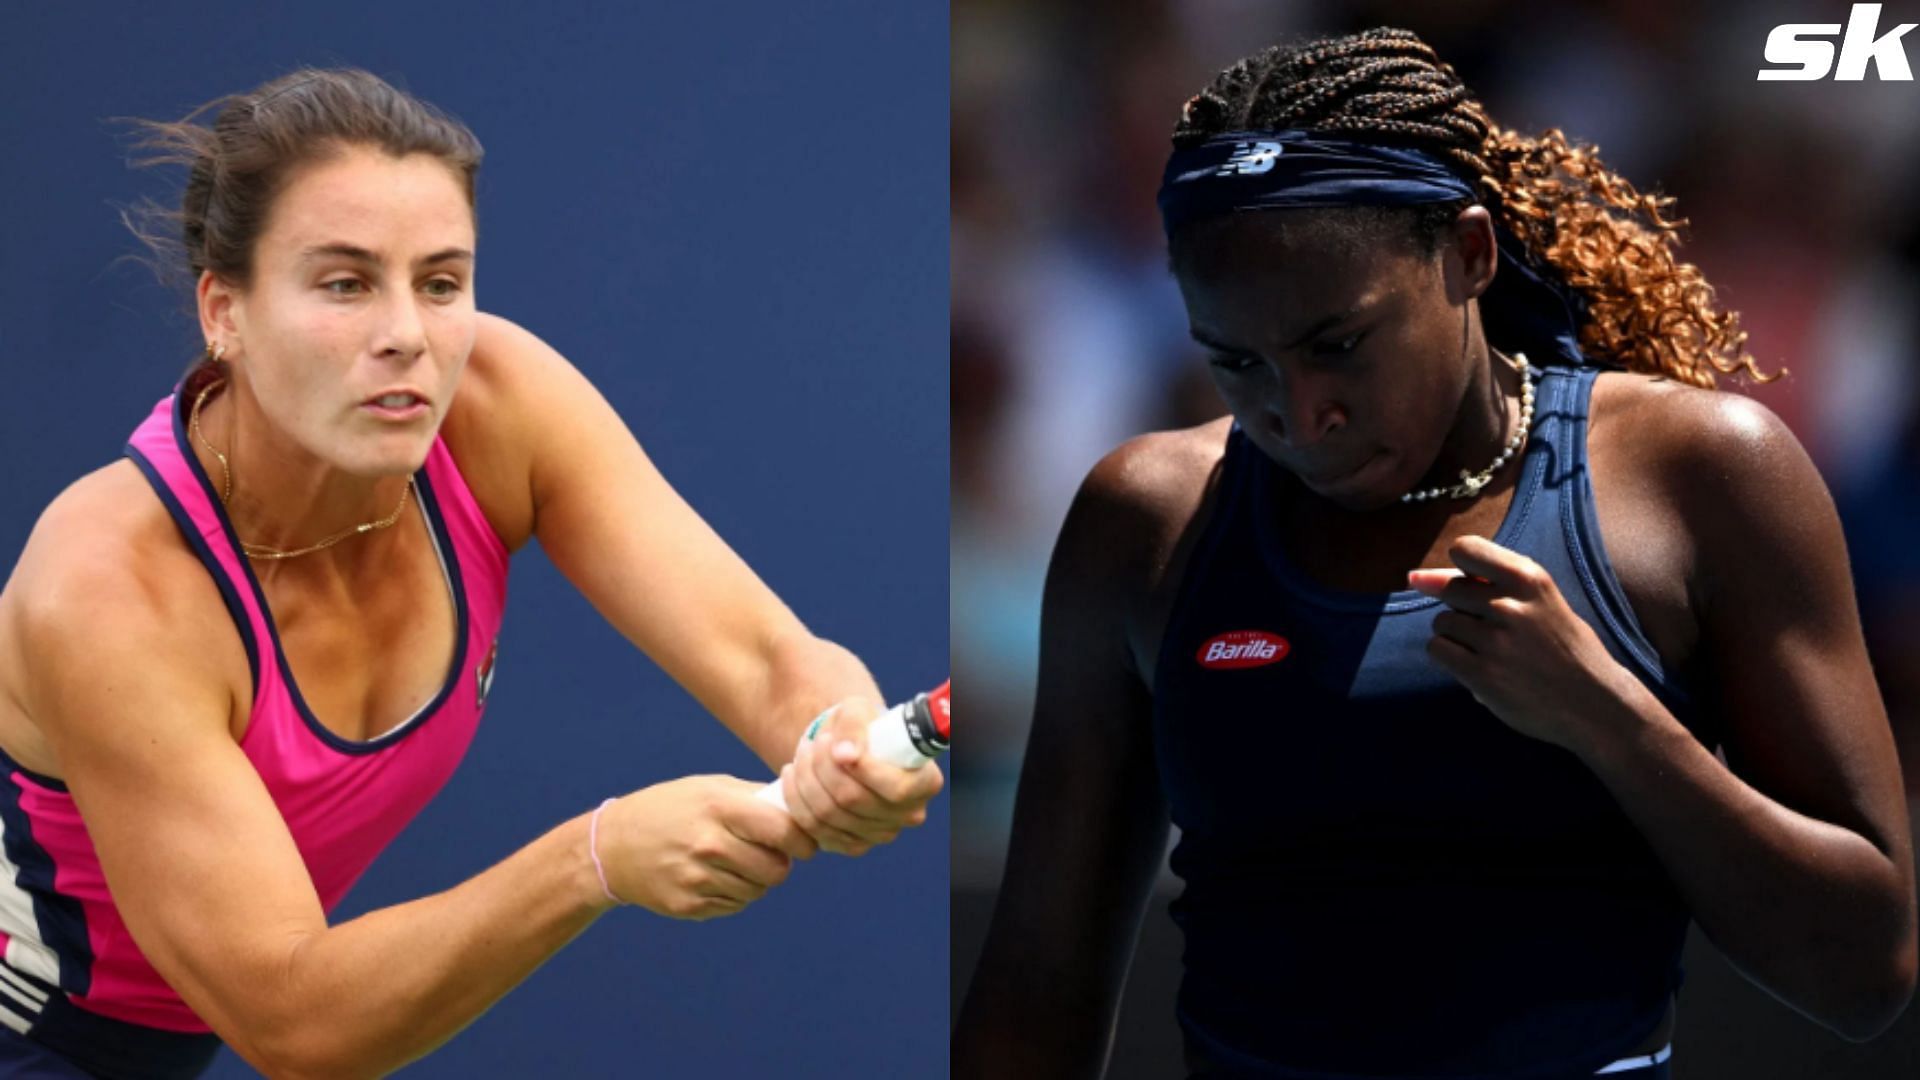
[386, 988]
[1043, 1002]
[1017, 1022]
[1080, 874]
[804, 675]
[1811, 911]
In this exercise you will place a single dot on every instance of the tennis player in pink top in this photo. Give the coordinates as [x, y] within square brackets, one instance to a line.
[235, 663]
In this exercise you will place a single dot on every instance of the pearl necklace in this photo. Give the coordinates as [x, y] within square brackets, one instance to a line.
[1470, 482]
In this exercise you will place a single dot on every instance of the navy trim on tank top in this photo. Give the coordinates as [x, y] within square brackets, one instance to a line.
[8, 763]
[60, 920]
[235, 607]
[1581, 520]
[448, 556]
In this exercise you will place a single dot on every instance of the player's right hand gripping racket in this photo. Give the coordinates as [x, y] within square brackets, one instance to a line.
[908, 735]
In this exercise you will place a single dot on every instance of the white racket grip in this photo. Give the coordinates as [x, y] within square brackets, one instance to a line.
[887, 739]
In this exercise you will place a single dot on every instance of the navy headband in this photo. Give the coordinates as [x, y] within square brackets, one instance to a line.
[1527, 308]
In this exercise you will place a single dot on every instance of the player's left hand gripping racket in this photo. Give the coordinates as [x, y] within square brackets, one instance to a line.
[908, 735]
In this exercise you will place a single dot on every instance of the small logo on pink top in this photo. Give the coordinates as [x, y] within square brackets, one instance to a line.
[484, 677]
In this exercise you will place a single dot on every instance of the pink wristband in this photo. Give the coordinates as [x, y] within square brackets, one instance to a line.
[593, 848]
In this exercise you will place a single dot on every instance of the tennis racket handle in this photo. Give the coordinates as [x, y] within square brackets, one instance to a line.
[908, 735]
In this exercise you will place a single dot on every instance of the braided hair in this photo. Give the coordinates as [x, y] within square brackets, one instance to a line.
[1648, 311]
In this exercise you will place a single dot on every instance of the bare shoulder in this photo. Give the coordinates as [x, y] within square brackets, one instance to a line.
[1733, 472]
[1160, 477]
[521, 407]
[505, 355]
[487, 427]
[107, 543]
[1134, 524]
[106, 577]
[1684, 423]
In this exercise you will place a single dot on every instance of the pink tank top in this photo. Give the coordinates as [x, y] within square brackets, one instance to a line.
[343, 800]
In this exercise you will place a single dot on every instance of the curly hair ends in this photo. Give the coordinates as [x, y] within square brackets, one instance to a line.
[1647, 310]
[1619, 248]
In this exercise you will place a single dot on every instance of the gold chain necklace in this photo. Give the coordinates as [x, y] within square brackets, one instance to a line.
[261, 551]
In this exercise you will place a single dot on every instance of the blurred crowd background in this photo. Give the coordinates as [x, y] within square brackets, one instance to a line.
[1069, 336]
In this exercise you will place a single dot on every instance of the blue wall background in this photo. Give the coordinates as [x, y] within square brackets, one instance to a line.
[733, 218]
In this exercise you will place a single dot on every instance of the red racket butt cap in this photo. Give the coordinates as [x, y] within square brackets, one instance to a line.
[940, 703]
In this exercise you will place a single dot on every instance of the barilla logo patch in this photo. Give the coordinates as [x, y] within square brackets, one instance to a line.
[1243, 649]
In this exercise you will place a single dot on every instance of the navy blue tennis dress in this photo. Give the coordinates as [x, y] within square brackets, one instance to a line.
[1381, 877]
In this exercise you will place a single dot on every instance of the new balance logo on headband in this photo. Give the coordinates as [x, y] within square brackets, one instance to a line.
[1250, 159]
[1796, 58]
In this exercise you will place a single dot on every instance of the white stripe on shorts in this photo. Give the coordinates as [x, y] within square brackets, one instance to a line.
[14, 1020]
[13, 982]
[1640, 1062]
